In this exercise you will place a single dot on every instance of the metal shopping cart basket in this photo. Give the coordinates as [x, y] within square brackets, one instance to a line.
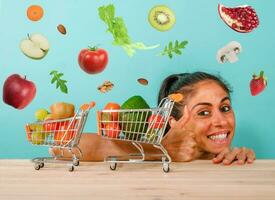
[61, 134]
[139, 126]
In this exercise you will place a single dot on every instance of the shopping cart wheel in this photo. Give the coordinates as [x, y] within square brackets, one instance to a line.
[113, 166]
[166, 168]
[36, 166]
[41, 165]
[75, 162]
[71, 168]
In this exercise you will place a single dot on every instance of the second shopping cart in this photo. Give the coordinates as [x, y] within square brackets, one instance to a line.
[139, 126]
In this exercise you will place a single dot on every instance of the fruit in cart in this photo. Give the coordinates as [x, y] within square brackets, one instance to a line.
[134, 121]
[152, 135]
[36, 46]
[41, 114]
[62, 110]
[18, 92]
[38, 137]
[155, 121]
[242, 19]
[51, 126]
[35, 133]
[161, 18]
[93, 60]
[112, 130]
[49, 117]
[112, 106]
[66, 131]
[258, 84]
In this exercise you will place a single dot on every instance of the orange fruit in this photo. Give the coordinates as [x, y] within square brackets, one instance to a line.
[35, 12]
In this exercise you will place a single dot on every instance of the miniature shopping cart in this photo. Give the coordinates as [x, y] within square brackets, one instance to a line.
[59, 135]
[139, 126]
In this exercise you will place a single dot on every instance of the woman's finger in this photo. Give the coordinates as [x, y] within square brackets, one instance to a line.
[230, 156]
[242, 156]
[250, 156]
[219, 158]
[184, 118]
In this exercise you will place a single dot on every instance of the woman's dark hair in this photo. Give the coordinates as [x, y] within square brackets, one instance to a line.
[184, 83]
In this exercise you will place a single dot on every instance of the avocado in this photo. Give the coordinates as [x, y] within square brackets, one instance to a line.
[133, 123]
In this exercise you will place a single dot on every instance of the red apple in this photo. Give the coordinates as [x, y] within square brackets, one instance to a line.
[18, 91]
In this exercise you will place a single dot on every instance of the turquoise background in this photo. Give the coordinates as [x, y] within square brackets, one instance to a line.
[197, 21]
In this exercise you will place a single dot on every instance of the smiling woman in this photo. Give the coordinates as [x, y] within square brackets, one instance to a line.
[201, 125]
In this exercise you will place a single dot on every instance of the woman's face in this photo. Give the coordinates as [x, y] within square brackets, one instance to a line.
[212, 117]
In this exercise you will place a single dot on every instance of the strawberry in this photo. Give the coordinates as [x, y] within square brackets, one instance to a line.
[258, 84]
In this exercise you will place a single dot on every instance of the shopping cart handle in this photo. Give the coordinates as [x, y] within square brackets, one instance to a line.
[176, 97]
[86, 106]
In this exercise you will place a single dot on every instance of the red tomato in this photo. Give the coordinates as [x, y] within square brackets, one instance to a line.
[51, 126]
[113, 106]
[112, 130]
[155, 121]
[66, 132]
[93, 60]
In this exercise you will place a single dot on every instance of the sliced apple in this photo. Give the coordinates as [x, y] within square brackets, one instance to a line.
[36, 46]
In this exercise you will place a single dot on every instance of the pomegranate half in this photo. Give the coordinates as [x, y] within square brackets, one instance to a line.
[242, 19]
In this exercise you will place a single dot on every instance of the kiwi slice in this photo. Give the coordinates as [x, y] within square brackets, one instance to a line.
[161, 18]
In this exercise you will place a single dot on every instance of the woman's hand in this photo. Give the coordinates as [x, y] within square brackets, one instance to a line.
[179, 142]
[236, 155]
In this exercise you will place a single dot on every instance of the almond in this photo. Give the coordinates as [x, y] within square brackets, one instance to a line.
[61, 29]
[142, 81]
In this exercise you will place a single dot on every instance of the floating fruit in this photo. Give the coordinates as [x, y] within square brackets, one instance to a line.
[35, 12]
[242, 19]
[162, 18]
[258, 84]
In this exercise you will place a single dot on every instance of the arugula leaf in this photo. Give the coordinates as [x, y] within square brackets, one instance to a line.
[59, 82]
[118, 29]
[170, 49]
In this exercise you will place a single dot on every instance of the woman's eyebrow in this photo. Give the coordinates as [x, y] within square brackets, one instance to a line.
[225, 98]
[202, 103]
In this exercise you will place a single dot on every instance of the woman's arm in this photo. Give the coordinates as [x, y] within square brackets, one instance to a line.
[97, 148]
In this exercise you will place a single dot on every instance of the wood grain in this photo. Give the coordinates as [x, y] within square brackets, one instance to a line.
[94, 180]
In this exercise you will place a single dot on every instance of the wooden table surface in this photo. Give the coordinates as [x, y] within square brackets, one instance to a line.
[193, 180]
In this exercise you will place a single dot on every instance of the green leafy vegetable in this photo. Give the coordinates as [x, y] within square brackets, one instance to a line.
[59, 82]
[170, 49]
[119, 31]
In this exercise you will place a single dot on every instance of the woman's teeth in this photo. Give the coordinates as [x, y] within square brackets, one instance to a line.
[218, 137]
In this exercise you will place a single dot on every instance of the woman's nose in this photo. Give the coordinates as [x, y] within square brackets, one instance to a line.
[218, 119]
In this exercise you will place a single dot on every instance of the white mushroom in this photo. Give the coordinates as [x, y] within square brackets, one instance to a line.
[229, 52]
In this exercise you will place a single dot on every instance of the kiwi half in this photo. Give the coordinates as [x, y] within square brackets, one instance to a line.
[161, 18]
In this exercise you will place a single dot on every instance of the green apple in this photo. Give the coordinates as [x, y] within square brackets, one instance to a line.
[41, 114]
[36, 46]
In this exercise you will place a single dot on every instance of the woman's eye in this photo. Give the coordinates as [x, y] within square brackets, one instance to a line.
[225, 108]
[204, 113]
